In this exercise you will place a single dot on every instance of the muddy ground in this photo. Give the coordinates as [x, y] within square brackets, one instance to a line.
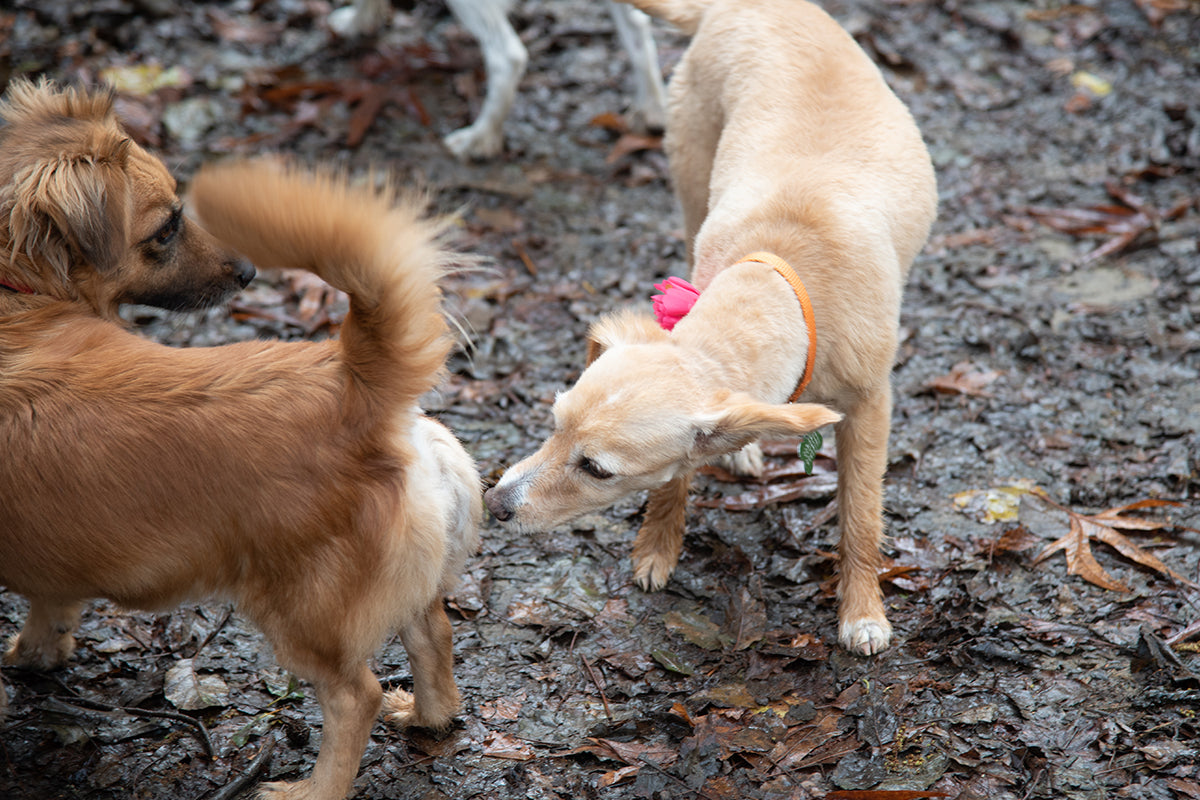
[1024, 363]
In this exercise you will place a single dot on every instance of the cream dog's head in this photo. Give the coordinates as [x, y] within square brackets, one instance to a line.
[642, 413]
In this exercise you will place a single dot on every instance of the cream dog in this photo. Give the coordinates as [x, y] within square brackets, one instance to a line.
[298, 479]
[785, 144]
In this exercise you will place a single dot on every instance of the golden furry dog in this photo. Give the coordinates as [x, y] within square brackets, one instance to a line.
[87, 215]
[300, 480]
[785, 145]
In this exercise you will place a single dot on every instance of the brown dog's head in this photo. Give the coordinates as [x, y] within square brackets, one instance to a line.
[644, 412]
[87, 215]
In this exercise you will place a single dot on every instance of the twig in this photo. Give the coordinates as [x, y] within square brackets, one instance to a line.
[235, 786]
[84, 704]
[596, 680]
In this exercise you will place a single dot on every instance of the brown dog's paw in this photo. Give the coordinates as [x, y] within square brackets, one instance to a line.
[400, 708]
[865, 636]
[44, 652]
[281, 790]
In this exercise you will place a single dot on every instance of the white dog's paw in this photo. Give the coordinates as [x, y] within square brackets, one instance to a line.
[865, 636]
[359, 19]
[747, 462]
[475, 142]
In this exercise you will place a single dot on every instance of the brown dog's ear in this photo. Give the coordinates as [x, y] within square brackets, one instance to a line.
[623, 327]
[73, 206]
[740, 420]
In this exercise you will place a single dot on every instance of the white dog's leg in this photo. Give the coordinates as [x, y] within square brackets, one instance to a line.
[361, 19]
[649, 110]
[504, 58]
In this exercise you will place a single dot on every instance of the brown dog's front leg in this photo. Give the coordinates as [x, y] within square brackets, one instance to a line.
[434, 699]
[660, 539]
[349, 700]
[47, 639]
[862, 438]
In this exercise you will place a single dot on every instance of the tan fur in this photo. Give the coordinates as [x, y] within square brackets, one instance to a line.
[782, 137]
[298, 479]
[88, 215]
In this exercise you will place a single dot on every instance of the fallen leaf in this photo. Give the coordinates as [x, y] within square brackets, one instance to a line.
[188, 690]
[632, 143]
[501, 745]
[1076, 543]
[696, 628]
[964, 378]
[609, 122]
[1122, 223]
[994, 504]
[1157, 10]
[881, 794]
[632, 753]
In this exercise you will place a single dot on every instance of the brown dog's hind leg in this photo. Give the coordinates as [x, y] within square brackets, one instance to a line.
[862, 437]
[434, 699]
[660, 539]
[349, 698]
[46, 641]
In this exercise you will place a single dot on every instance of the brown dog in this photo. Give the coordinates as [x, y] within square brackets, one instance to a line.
[783, 138]
[300, 480]
[87, 215]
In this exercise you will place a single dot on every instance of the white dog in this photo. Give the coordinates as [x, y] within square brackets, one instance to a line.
[505, 58]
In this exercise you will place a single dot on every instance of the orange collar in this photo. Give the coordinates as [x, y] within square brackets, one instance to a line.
[779, 265]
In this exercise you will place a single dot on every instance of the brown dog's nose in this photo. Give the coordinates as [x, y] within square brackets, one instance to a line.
[243, 271]
[496, 505]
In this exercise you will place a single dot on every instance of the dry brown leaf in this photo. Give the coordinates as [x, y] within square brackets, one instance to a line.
[964, 378]
[882, 794]
[1122, 223]
[1076, 544]
[501, 745]
[632, 143]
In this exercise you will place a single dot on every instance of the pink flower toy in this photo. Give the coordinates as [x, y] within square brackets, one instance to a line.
[677, 298]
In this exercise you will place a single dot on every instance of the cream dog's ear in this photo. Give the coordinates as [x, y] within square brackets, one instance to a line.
[739, 420]
[623, 327]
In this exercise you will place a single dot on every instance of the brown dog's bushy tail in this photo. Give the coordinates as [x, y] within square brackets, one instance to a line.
[683, 14]
[379, 248]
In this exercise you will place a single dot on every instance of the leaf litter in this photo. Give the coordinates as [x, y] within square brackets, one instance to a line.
[1005, 680]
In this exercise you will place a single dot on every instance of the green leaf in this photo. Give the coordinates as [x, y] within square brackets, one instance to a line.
[808, 448]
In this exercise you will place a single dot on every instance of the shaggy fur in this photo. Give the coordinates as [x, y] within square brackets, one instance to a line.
[299, 480]
[782, 137]
[87, 215]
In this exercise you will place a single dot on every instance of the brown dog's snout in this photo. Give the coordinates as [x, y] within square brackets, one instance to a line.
[243, 271]
[494, 498]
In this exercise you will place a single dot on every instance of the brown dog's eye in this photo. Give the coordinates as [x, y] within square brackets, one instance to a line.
[594, 469]
[168, 231]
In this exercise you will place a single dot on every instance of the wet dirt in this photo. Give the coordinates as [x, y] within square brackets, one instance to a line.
[1023, 363]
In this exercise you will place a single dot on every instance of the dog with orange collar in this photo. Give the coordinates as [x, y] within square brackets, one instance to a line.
[785, 143]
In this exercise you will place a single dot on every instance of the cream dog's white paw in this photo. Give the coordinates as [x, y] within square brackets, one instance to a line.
[865, 636]
[653, 571]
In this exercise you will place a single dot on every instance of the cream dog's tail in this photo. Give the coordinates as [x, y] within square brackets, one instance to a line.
[683, 14]
[378, 248]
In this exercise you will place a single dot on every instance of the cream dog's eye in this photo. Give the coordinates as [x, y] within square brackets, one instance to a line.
[593, 469]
